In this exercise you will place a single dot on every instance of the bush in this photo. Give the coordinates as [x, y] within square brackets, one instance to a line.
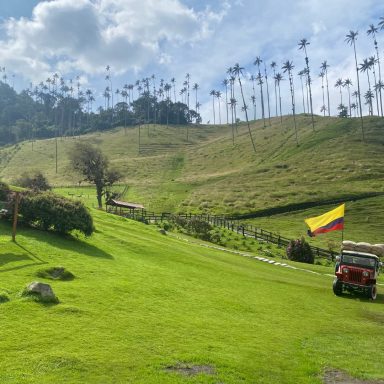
[36, 181]
[299, 250]
[51, 212]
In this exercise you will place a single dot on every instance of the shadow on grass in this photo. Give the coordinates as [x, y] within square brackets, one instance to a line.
[361, 297]
[13, 257]
[70, 243]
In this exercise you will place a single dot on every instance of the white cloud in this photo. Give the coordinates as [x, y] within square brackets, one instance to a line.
[85, 35]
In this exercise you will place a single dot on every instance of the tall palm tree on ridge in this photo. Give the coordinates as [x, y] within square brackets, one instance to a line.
[351, 38]
[288, 67]
[303, 45]
[372, 30]
[237, 71]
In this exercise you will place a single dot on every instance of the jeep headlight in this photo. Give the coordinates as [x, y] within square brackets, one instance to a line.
[345, 270]
[365, 273]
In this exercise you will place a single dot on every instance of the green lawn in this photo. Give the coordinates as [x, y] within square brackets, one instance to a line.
[142, 302]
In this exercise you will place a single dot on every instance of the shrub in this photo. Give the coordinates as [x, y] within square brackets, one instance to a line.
[299, 250]
[36, 181]
[51, 212]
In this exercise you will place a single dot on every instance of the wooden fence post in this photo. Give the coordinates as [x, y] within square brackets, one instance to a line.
[15, 213]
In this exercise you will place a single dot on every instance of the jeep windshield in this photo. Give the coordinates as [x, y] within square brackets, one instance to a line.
[359, 261]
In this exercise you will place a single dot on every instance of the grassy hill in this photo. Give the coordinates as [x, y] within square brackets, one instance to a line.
[148, 308]
[212, 173]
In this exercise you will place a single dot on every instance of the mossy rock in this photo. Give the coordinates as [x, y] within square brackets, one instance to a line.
[4, 297]
[55, 273]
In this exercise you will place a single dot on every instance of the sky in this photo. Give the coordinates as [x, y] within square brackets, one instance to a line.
[170, 38]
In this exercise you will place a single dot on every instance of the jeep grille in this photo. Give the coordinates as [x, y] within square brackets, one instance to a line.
[355, 275]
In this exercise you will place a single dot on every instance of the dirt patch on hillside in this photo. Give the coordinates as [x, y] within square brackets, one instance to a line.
[191, 370]
[334, 376]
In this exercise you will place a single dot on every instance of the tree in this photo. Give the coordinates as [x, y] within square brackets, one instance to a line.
[237, 71]
[303, 45]
[324, 67]
[257, 62]
[213, 94]
[347, 83]
[372, 31]
[278, 79]
[90, 163]
[351, 40]
[339, 84]
[366, 66]
[225, 83]
[288, 67]
[37, 181]
[323, 107]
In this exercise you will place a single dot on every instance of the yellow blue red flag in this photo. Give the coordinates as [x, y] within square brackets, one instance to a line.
[329, 221]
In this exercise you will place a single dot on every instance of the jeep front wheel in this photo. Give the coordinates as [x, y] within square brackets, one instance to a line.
[372, 292]
[337, 287]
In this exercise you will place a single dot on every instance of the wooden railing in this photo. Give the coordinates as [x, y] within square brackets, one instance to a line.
[247, 230]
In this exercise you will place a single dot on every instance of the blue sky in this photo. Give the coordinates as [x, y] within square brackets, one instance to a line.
[170, 38]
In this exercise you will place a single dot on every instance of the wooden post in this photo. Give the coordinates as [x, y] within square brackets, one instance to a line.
[15, 213]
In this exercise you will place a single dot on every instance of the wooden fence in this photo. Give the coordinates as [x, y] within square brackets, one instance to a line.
[247, 230]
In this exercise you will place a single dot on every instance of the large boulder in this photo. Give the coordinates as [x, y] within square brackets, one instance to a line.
[41, 291]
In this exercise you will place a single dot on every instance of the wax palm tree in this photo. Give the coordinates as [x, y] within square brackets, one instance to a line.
[356, 96]
[324, 67]
[173, 82]
[366, 66]
[213, 94]
[260, 82]
[369, 96]
[339, 84]
[372, 30]
[273, 66]
[347, 83]
[237, 71]
[232, 103]
[225, 83]
[301, 74]
[257, 62]
[373, 61]
[323, 107]
[303, 45]
[266, 83]
[218, 97]
[253, 99]
[278, 79]
[253, 79]
[351, 39]
[288, 67]
[195, 88]
[354, 107]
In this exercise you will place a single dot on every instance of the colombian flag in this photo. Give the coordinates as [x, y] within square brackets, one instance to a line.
[329, 221]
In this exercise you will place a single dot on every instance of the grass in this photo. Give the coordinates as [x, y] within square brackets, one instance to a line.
[142, 302]
[211, 174]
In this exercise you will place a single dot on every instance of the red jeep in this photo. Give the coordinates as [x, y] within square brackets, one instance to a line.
[356, 272]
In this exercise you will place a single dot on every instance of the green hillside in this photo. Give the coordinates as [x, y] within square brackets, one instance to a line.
[210, 173]
[148, 308]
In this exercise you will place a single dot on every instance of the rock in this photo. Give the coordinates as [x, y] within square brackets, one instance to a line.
[162, 231]
[44, 291]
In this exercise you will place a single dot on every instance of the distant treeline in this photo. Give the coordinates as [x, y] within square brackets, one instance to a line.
[49, 113]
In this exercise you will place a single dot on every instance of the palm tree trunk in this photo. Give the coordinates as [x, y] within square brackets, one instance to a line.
[358, 90]
[329, 105]
[246, 114]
